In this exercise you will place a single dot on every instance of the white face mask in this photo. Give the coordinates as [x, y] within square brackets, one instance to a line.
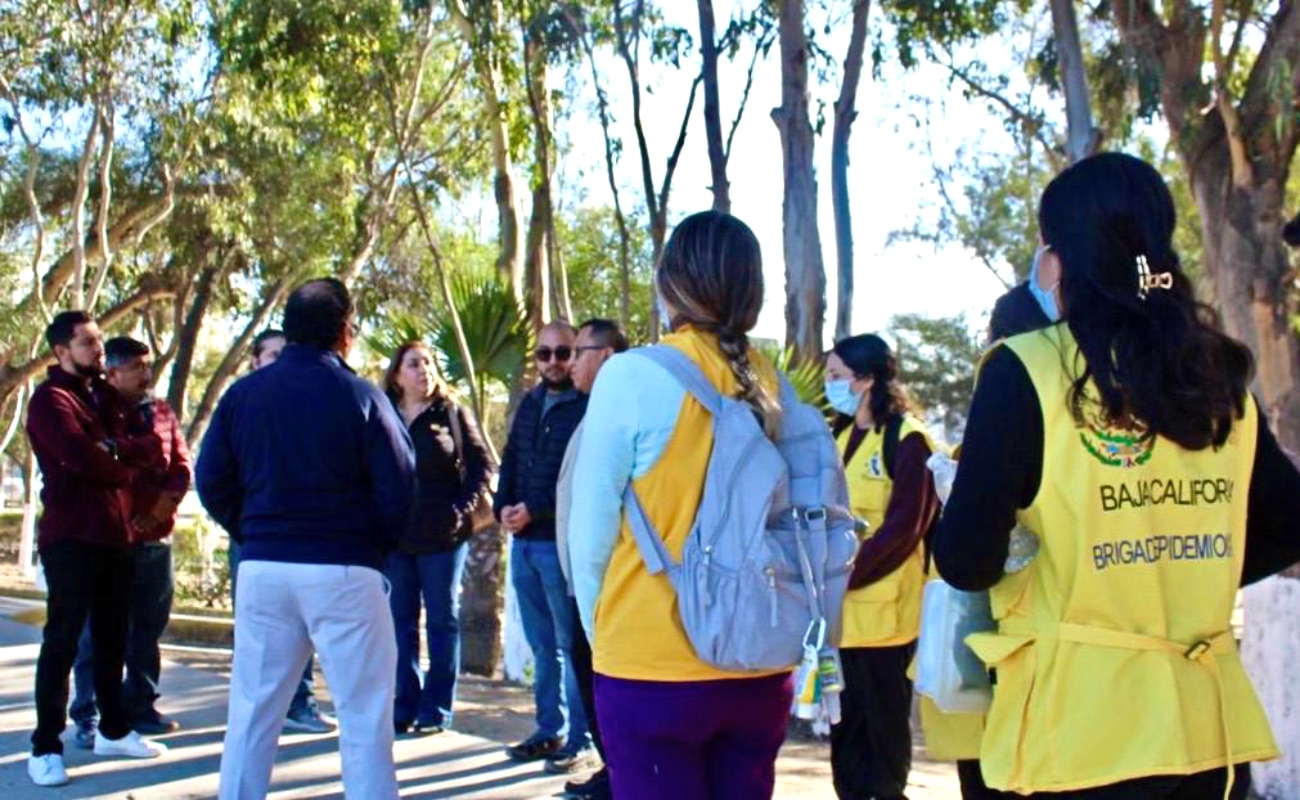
[1046, 296]
[842, 398]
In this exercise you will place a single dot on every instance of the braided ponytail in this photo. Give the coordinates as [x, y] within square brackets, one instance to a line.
[735, 346]
[711, 273]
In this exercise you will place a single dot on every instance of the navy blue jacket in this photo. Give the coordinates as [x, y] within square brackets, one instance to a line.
[305, 462]
[530, 467]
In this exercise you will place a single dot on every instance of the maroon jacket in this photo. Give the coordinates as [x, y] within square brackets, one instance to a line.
[85, 488]
[153, 417]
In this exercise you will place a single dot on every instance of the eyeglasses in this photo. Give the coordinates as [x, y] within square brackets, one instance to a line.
[562, 353]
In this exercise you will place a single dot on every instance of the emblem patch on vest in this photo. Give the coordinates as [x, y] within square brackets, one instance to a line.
[1123, 450]
[874, 466]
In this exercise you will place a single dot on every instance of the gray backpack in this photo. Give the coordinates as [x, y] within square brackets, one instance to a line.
[766, 564]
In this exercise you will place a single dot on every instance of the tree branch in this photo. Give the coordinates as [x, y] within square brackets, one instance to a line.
[79, 213]
[107, 139]
[630, 61]
[1030, 123]
[759, 47]
[667, 186]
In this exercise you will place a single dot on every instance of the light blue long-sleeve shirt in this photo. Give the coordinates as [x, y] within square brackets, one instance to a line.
[630, 419]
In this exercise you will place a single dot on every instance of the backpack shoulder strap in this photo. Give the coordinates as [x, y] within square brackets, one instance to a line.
[892, 430]
[687, 373]
[653, 550]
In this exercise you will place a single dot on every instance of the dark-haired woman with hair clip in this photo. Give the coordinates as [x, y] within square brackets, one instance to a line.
[1124, 438]
[453, 470]
[674, 726]
[885, 450]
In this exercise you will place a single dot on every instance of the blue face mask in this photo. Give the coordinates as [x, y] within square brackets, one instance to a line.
[1046, 297]
[842, 398]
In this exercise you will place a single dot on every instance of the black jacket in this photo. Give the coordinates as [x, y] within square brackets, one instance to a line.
[306, 463]
[534, 454]
[443, 501]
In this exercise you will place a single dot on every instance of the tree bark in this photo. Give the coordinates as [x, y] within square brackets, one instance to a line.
[1083, 139]
[483, 600]
[188, 335]
[510, 263]
[721, 187]
[805, 273]
[846, 113]
[229, 365]
[537, 266]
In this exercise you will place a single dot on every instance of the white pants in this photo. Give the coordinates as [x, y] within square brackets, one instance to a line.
[283, 612]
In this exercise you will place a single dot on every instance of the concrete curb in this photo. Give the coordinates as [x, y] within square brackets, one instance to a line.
[186, 630]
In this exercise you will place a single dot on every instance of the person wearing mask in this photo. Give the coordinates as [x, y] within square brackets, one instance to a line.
[673, 726]
[1124, 438]
[77, 426]
[304, 714]
[598, 341]
[525, 505]
[310, 468]
[155, 496]
[453, 470]
[885, 450]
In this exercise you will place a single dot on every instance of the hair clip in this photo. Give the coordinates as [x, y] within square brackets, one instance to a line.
[1147, 280]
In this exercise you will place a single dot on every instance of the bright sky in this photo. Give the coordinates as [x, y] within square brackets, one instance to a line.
[890, 176]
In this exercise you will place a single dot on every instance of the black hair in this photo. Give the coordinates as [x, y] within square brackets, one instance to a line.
[870, 356]
[63, 328]
[1158, 361]
[711, 273]
[317, 313]
[121, 349]
[260, 340]
[1016, 312]
[607, 333]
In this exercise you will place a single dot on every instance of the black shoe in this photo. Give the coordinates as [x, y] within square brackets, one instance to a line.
[535, 748]
[155, 725]
[594, 788]
[571, 759]
[400, 728]
[427, 729]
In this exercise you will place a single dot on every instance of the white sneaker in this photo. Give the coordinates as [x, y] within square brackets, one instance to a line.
[132, 746]
[47, 770]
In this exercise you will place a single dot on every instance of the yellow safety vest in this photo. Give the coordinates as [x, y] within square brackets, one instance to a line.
[1114, 654]
[639, 635]
[888, 612]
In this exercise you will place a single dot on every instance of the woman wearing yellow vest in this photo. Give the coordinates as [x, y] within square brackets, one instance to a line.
[1125, 440]
[885, 451]
[673, 726]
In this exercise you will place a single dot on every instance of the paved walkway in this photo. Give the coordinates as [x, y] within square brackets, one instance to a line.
[451, 765]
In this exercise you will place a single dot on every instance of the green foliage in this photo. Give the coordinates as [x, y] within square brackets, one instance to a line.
[937, 357]
[589, 247]
[808, 378]
[495, 328]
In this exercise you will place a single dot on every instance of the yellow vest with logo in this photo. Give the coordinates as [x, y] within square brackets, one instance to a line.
[1114, 653]
[639, 635]
[888, 612]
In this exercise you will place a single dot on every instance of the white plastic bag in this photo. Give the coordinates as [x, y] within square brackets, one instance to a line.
[947, 671]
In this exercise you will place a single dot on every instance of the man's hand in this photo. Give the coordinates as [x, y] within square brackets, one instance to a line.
[515, 518]
[168, 503]
[522, 518]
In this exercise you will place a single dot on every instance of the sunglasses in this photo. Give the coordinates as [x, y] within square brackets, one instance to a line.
[543, 354]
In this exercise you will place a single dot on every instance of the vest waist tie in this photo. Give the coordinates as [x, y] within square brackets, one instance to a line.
[1204, 652]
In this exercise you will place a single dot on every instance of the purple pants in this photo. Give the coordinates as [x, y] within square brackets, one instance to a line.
[702, 740]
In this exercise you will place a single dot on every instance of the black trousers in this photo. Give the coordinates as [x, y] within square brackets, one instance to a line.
[586, 676]
[1200, 786]
[973, 786]
[151, 606]
[871, 748]
[85, 581]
